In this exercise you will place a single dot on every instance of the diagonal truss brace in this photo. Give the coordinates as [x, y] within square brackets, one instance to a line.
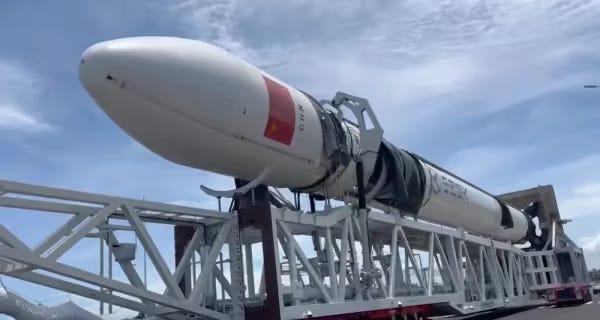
[152, 250]
[90, 214]
[67, 271]
[305, 263]
[210, 262]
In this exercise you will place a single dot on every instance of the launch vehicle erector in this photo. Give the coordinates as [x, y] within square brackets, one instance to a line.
[197, 105]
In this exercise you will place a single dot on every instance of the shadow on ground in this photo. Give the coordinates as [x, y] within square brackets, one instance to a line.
[490, 315]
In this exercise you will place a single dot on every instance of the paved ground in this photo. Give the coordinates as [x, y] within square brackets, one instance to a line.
[590, 310]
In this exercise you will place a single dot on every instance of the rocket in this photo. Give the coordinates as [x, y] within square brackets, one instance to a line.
[197, 105]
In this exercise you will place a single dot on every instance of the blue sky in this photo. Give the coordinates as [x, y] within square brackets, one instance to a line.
[492, 90]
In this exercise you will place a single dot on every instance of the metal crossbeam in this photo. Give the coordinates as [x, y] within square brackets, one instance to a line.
[64, 229]
[394, 251]
[153, 253]
[90, 216]
[305, 263]
[80, 231]
[89, 292]
[446, 263]
[413, 261]
[209, 262]
[343, 261]
[80, 275]
[392, 247]
[187, 254]
[85, 197]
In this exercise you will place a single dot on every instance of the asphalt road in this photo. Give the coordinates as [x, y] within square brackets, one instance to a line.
[590, 310]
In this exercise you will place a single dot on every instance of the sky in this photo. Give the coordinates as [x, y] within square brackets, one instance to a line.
[491, 90]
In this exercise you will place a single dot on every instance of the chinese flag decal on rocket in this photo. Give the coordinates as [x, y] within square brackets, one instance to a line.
[282, 117]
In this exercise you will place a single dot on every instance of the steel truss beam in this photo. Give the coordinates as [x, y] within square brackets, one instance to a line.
[438, 266]
[91, 212]
[358, 262]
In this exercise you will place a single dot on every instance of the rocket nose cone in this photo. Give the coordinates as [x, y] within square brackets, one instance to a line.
[96, 65]
[104, 60]
[147, 63]
[86, 64]
[191, 78]
[112, 69]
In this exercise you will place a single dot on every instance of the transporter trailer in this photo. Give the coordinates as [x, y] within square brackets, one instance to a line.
[391, 246]
[258, 261]
[570, 283]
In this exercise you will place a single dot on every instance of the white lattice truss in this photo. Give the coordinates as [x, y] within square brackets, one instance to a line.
[409, 262]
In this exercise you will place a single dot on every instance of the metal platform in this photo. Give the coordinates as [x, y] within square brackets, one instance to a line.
[313, 263]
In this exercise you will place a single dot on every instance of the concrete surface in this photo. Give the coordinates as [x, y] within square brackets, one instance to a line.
[590, 310]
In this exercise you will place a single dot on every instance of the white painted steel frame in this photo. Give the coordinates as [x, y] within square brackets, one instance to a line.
[92, 212]
[478, 273]
[467, 272]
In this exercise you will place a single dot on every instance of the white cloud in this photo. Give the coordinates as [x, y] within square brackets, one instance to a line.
[575, 182]
[419, 63]
[588, 189]
[575, 172]
[13, 118]
[477, 163]
[583, 200]
[591, 250]
[18, 89]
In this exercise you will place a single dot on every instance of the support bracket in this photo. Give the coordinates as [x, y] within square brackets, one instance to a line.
[370, 138]
[238, 191]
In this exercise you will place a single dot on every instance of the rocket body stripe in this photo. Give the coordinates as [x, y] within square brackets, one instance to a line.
[282, 117]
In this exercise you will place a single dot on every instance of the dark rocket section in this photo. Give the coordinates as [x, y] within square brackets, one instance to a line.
[399, 178]
[404, 186]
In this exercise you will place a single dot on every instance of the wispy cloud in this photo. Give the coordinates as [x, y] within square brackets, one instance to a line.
[510, 168]
[591, 248]
[418, 63]
[583, 200]
[481, 162]
[18, 90]
[12, 118]
[576, 183]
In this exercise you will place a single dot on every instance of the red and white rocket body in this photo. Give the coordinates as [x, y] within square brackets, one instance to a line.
[199, 106]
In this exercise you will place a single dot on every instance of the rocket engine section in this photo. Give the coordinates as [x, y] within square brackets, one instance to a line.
[197, 105]
[413, 185]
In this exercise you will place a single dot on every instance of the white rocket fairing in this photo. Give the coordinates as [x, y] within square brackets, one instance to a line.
[197, 105]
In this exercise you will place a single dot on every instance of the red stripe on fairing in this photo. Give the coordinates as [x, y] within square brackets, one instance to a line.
[282, 117]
